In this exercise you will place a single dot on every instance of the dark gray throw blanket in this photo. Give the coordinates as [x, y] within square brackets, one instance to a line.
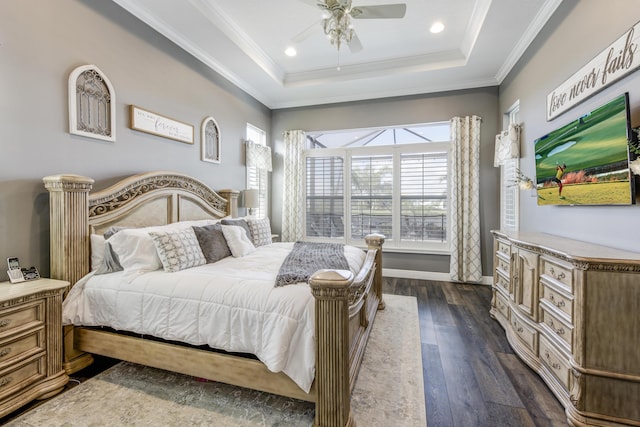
[308, 257]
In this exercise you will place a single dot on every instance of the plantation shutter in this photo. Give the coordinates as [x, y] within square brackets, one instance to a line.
[423, 204]
[325, 197]
[371, 195]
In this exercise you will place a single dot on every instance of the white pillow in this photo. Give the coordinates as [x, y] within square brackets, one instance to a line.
[237, 239]
[178, 250]
[97, 251]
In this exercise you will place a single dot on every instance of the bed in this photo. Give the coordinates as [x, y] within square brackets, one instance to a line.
[344, 301]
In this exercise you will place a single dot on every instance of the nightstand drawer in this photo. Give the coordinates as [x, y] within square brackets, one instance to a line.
[22, 345]
[19, 317]
[21, 376]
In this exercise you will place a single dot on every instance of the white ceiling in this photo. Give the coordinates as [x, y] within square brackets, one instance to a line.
[244, 40]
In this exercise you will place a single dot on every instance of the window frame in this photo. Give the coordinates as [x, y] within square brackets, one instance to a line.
[509, 191]
[394, 244]
[262, 184]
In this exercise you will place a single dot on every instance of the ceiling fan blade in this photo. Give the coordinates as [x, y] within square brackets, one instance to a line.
[383, 11]
[355, 45]
[304, 34]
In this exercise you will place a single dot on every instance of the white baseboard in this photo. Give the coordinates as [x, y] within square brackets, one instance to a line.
[426, 275]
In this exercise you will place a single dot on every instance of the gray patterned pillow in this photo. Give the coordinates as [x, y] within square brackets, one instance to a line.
[260, 230]
[212, 242]
[178, 249]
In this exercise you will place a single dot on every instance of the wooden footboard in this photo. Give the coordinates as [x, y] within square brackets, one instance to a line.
[345, 304]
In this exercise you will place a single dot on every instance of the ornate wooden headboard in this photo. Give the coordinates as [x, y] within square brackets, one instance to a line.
[152, 198]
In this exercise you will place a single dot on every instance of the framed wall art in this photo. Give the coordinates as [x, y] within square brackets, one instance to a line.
[159, 125]
[210, 140]
[91, 104]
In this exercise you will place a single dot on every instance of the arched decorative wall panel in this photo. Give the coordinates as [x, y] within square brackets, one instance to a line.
[92, 102]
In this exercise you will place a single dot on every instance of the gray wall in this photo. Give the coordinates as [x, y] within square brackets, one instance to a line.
[41, 42]
[398, 111]
[578, 31]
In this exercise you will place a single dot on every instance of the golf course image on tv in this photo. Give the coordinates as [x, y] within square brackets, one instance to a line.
[586, 162]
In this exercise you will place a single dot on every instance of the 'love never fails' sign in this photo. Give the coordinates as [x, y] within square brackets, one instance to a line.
[613, 63]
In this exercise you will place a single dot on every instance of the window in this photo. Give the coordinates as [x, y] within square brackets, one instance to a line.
[258, 178]
[391, 181]
[509, 194]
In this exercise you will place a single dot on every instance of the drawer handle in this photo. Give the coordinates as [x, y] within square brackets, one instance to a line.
[5, 380]
[518, 328]
[5, 351]
[554, 365]
[559, 331]
[558, 276]
[4, 323]
[558, 304]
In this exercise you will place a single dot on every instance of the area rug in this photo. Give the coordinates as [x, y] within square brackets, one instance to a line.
[389, 390]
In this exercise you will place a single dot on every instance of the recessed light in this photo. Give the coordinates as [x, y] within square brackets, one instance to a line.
[437, 27]
[290, 51]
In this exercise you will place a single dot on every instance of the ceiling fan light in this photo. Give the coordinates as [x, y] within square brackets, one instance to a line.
[437, 27]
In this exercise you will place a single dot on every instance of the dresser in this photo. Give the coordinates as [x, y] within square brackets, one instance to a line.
[30, 342]
[571, 311]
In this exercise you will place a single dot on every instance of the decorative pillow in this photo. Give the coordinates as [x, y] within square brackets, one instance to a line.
[212, 242]
[135, 249]
[241, 223]
[178, 249]
[237, 240]
[97, 250]
[260, 231]
[110, 263]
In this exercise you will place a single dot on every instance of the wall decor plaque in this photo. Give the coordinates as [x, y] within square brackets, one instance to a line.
[159, 125]
[613, 63]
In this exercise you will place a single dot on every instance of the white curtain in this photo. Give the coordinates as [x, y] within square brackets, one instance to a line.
[466, 262]
[294, 184]
[258, 156]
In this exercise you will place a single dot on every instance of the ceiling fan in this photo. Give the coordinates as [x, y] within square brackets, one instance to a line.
[337, 16]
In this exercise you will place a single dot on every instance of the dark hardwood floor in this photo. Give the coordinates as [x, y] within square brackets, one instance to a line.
[472, 378]
[471, 375]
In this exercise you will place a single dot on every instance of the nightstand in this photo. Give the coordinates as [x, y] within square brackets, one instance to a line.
[275, 238]
[30, 342]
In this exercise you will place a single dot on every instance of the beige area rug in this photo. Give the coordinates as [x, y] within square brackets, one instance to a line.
[389, 390]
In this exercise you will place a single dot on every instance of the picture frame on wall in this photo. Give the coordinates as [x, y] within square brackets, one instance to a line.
[210, 141]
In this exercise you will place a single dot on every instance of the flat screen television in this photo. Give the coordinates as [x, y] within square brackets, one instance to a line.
[586, 162]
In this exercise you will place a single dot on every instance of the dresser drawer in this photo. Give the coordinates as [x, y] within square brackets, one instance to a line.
[504, 265]
[557, 272]
[502, 307]
[20, 317]
[503, 283]
[557, 327]
[555, 362]
[503, 248]
[21, 346]
[22, 375]
[526, 333]
[558, 299]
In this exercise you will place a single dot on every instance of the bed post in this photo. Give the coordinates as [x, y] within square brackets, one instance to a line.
[232, 201]
[375, 241]
[69, 245]
[333, 403]
[69, 222]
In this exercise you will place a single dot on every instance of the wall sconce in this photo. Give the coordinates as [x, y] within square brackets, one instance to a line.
[250, 199]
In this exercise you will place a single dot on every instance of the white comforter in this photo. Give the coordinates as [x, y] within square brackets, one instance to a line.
[230, 305]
